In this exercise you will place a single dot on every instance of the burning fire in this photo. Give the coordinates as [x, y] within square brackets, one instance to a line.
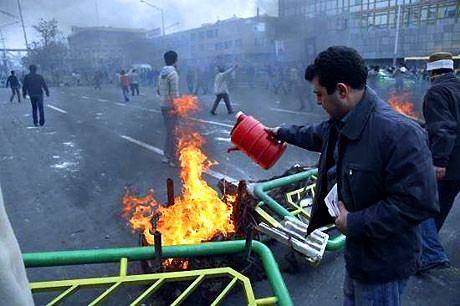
[403, 105]
[199, 213]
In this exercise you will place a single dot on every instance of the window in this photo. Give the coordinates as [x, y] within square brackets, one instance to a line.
[381, 4]
[201, 35]
[446, 11]
[228, 44]
[238, 43]
[193, 36]
[381, 19]
[209, 33]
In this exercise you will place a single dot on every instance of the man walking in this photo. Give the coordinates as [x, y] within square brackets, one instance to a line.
[14, 85]
[124, 83]
[221, 89]
[134, 82]
[381, 165]
[168, 89]
[34, 84]
[441, 109]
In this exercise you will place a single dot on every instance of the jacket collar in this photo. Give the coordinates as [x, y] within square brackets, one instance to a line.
[359, 116]
[444, 77]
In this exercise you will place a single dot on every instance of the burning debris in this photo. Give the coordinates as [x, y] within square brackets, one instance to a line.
[199, 213]
[402, 104]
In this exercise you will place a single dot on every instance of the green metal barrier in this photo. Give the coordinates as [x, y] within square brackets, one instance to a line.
[261, 190]
[123, 255]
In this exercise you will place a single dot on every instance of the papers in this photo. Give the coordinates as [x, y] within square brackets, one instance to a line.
[332, 202]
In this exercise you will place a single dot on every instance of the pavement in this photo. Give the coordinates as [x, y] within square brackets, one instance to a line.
[63, 182]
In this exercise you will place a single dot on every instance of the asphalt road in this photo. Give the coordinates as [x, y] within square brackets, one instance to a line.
[63, 182]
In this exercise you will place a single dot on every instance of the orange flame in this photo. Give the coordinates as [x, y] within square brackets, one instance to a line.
[184, 105]
[199, 213]
[403, 105]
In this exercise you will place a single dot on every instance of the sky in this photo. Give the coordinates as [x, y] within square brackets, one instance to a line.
[123, 13]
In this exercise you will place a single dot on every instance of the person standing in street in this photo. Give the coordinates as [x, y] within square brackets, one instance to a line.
[168, 89]
[124, 83]
[97, 81]
[221, 89]
[380, 163]
[14, 85]
[34, 84]
[190, 79]
[134, 82]
[441, 109]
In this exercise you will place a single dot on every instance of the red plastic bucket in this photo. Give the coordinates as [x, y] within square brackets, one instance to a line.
[249, 136]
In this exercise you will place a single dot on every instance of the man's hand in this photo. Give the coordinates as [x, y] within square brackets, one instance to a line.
[272, 131]
[341, 219]
[440, 172]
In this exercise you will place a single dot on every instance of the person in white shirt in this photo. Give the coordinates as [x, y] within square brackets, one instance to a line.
[221, 89]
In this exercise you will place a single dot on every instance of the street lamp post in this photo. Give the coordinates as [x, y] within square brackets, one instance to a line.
[162, 15]
[22, 22]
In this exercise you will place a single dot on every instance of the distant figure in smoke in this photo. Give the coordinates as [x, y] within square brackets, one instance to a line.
[201, 82]
[124, 83]
[168, 89]
[97, 81]
[14, 85]
[190, 79]
[221, 89]
[134, 82]
[34, 84]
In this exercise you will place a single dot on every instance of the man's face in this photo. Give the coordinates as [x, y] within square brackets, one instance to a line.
[333, 104]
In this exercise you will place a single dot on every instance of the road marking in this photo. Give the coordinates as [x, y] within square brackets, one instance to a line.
[85, 97]
[212, 122]
[102, 100]
[57, 109]
[212, 173]
[294, 112]
[194, 119]
[143, 144]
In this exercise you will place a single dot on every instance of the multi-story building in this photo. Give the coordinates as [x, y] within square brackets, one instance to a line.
[102, 47]
[228, 41]
[370, 26]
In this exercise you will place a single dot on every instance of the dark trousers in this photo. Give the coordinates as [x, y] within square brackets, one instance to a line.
[37, 103]
[15, 91]
[125, 91]
[448, 190]
[226, 100]
[134, 89]
[190, 86]
[170, 122]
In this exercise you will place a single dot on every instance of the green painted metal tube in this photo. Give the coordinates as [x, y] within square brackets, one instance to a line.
[48, 259]
[260, 190]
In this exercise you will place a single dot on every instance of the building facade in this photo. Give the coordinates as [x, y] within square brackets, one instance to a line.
[96, 48]
[235, 40]
[370, 26]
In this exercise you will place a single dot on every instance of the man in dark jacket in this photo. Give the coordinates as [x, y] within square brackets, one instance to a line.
[441, 109]
[34, 84]
[14, 85]
[382, 166]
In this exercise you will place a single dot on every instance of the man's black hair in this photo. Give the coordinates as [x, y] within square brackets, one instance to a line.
[170, 58]
[33, 68]
[12, 72]
[338, 64]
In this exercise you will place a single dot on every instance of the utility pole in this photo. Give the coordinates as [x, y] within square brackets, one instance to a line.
[397, 35]
[162, 14]
[22, 22]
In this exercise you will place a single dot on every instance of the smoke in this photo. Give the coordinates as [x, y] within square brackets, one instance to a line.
[126, 14]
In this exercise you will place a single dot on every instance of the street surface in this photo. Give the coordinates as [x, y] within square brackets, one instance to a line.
[63, 182]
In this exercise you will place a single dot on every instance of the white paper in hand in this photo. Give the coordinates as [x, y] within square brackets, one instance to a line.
[332, 202]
